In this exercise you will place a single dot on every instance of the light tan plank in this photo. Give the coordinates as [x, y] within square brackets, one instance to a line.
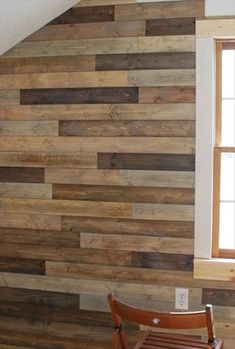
[174, 43]
[9, 97]
[216, 27]
[52, 159]
[185, 8]
[26, 190]
[170, 179]
[171, 77]
[64, 80]
[29, 221]
[169, 111]
[164, 212]
[29, 128]
[163, 145]
[66, 207]
[214, 269]
[89, 30]
[134, 243]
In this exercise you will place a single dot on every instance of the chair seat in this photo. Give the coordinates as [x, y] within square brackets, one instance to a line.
[153, 340]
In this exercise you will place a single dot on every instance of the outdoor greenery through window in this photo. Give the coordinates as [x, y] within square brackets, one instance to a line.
[224, 152]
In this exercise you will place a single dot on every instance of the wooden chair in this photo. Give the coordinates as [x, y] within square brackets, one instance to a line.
[153, 340]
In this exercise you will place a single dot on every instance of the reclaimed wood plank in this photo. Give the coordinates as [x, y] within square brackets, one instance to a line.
[89, 30]
[162, 162]
[29, 221]
[171, 26]
[173, 60]
[66, 207]
[163, 145]
[130, 111]
[9, 97]
[22, 175]
[123, 194]
[79, 95]
[170, 179]
[50, 159]
[164, 212]
[26, 190]
[65, 80]
[169, 43]
[29, 128]
[46, 64]
[167, 94]
[133, 243]
[225, 298]
[21, 265]
[127, 128]
[86, 15]
[189, 8]
[128, 226]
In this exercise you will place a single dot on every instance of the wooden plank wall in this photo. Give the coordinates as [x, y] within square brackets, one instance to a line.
[97, 173]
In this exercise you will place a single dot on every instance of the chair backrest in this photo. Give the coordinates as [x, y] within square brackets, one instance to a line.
[172, 320]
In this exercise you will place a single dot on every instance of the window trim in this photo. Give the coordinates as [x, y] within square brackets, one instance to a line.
[207, 31]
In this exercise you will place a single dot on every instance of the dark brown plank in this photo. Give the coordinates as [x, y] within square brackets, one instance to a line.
[79, 95]
[21, 174]
[37, 297]
[123, 194]
[170, 26]
[46, 64]
[179, 128]
[225, 298]
[173, 60]
[39, 237]
[162, 261]
[167, 94]
[128, 226]
[86, 15]
[163, 162]
[22, 265]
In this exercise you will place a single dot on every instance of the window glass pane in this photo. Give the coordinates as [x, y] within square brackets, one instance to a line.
[227, 226]
[228, 73]
[228, 122]
[227, 179]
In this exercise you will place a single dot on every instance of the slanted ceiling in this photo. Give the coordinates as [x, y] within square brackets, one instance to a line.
[20, 18]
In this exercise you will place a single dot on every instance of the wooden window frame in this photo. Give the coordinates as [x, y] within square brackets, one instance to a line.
[218, 150]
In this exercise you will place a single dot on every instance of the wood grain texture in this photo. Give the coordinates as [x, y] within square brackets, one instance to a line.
[29, 221]
[101, 111]
[46, 64]
[162, 162]
[164, 212]
[131, 243]
[170, 26]
[22, 175]
[28, 190]
[9, 97]
[89, 30]
[87, 14]
[172, 145]
[51, 159]
[169, 43]
[221, 297]
[127, 128]
[127, 226]
[123, 194]
[170, 179]
[21, 265]
[79, 96]
[189, 8]
[29, 128]
[166, 95]
[172, 60]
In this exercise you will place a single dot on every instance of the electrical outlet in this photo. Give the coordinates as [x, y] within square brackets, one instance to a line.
[181, 298]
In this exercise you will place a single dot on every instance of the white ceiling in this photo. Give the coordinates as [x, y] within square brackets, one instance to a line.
[20, 18]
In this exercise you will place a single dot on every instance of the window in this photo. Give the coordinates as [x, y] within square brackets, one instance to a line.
[224, 152]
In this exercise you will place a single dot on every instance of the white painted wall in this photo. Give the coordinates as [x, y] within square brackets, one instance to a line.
[220, 8]
[20, 18]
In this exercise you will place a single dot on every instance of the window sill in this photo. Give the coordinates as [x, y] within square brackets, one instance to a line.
[214, 269]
